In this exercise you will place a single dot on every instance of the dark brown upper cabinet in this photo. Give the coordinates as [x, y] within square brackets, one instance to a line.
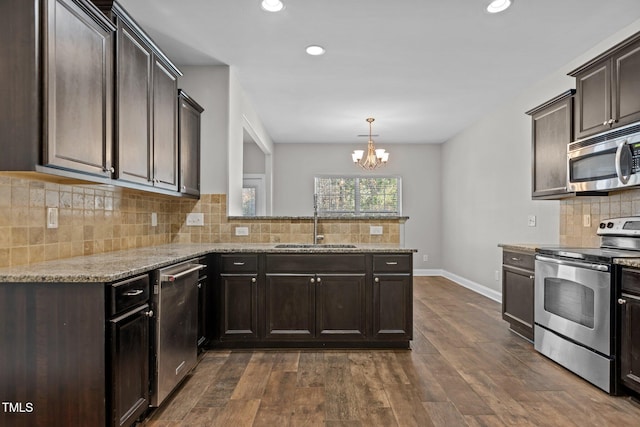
[551, 132]
[146, 106]
[608, 89]
[189, 113]
[56, 63]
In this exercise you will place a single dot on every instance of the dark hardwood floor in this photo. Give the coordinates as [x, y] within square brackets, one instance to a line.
[465, 369]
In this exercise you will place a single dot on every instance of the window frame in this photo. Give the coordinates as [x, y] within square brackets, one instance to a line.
[357, 212]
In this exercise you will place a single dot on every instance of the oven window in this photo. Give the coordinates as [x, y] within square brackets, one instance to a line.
[596, 166]
[569, 300]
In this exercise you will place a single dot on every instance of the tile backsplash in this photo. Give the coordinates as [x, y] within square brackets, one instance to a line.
[572, 211]
[96, 218]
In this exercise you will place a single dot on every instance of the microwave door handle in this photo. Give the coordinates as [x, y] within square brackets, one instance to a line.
[623, 178]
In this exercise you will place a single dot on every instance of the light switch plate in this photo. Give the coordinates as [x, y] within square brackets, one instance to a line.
[586, 220]
[375, 230]
[531, 221]
[242, 231]
[196, 219]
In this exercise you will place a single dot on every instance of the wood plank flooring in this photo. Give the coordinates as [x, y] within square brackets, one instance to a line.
[465, 369]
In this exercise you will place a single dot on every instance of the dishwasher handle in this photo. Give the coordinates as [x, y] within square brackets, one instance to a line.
[175, 276]
[578, 264]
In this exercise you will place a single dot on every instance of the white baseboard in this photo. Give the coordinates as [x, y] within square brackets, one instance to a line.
[476, 287]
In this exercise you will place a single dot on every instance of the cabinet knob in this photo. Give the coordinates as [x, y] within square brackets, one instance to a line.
[313, 280]
[606, 122]
[532, 277]
[199, 285]
[149, 313]
[111, 169]
[622, 301]
[612, 121]
[319, 280]
[377, 280]
[253, 280]
[184, 188]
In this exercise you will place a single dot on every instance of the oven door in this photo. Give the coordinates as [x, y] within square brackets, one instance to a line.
[573, 299]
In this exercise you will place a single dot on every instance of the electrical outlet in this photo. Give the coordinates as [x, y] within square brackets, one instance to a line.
[375, 230]
[196, 219]
[154, 219]
[52, 217]
[425, 258]
[586, 220]
[242, 231]
[531, 221]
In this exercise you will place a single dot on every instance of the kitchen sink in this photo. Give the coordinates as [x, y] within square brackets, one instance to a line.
[310, 245]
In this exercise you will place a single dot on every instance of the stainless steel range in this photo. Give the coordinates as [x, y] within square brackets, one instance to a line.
[575, 310]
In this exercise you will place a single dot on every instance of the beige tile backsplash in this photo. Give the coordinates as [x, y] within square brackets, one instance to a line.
[101, 218]
[572, 211]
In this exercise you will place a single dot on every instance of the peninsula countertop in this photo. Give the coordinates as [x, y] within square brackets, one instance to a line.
[110, 266]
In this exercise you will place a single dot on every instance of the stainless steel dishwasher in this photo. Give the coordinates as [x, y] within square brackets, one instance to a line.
[175, 302]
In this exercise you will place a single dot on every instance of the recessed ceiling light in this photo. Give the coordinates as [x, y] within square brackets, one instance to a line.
[498, 6]
[315, 50]
[272, 5]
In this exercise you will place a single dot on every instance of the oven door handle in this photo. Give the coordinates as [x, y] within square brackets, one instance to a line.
[597, 267]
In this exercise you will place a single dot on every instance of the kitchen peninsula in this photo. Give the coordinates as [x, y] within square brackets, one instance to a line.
[57, 335]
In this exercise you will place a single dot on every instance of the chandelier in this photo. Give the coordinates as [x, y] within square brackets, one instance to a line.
[374, 158]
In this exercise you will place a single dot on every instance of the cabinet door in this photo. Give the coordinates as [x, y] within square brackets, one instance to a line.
[593, 99]
[551, 132]
[392, 307]
[630, 342]
[626, 90]
[290, 307]
[134, 107]
[78, 71]
[239, 307]
[340, 307]
[189, 124]
[129, 351]
[165, 127]
[517, 300]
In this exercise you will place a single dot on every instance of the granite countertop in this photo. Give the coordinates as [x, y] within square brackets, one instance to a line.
[522, 247]
[111, 266]
[628, 262]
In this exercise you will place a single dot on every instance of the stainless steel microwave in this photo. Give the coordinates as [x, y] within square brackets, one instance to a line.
[605, 161]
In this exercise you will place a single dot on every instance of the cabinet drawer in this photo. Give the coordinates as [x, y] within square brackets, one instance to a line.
[392, 263]
[127, 293]
[519, 259]
[315, 263]
[239, 263]
[631, 281]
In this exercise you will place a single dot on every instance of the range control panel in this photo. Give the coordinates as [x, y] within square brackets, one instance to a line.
[627, 226]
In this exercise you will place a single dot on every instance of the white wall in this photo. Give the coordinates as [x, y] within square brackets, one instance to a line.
[253, 159]
[209, 86]
[295, 165]
[487, 181]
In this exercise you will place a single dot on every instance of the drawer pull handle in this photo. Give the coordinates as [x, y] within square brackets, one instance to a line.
[133, 293]
[392, 262]
[238, 263]
[515, 259]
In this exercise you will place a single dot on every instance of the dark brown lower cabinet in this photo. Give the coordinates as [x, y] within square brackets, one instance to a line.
[129, 360]
[239, 294]
[289, 309]
[392, 307]
[341, 307]
[518, 292]
[629, 303]
[315, 300]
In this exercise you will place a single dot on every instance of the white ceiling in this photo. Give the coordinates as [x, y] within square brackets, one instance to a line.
[425, 69]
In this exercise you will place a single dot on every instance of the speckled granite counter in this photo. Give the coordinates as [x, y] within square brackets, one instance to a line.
[628, 262]
[111, 266]
[521, 247]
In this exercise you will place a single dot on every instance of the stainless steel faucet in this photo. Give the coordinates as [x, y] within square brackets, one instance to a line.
[316, 237]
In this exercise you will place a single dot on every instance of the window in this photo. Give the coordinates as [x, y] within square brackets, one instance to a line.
[358, 195]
